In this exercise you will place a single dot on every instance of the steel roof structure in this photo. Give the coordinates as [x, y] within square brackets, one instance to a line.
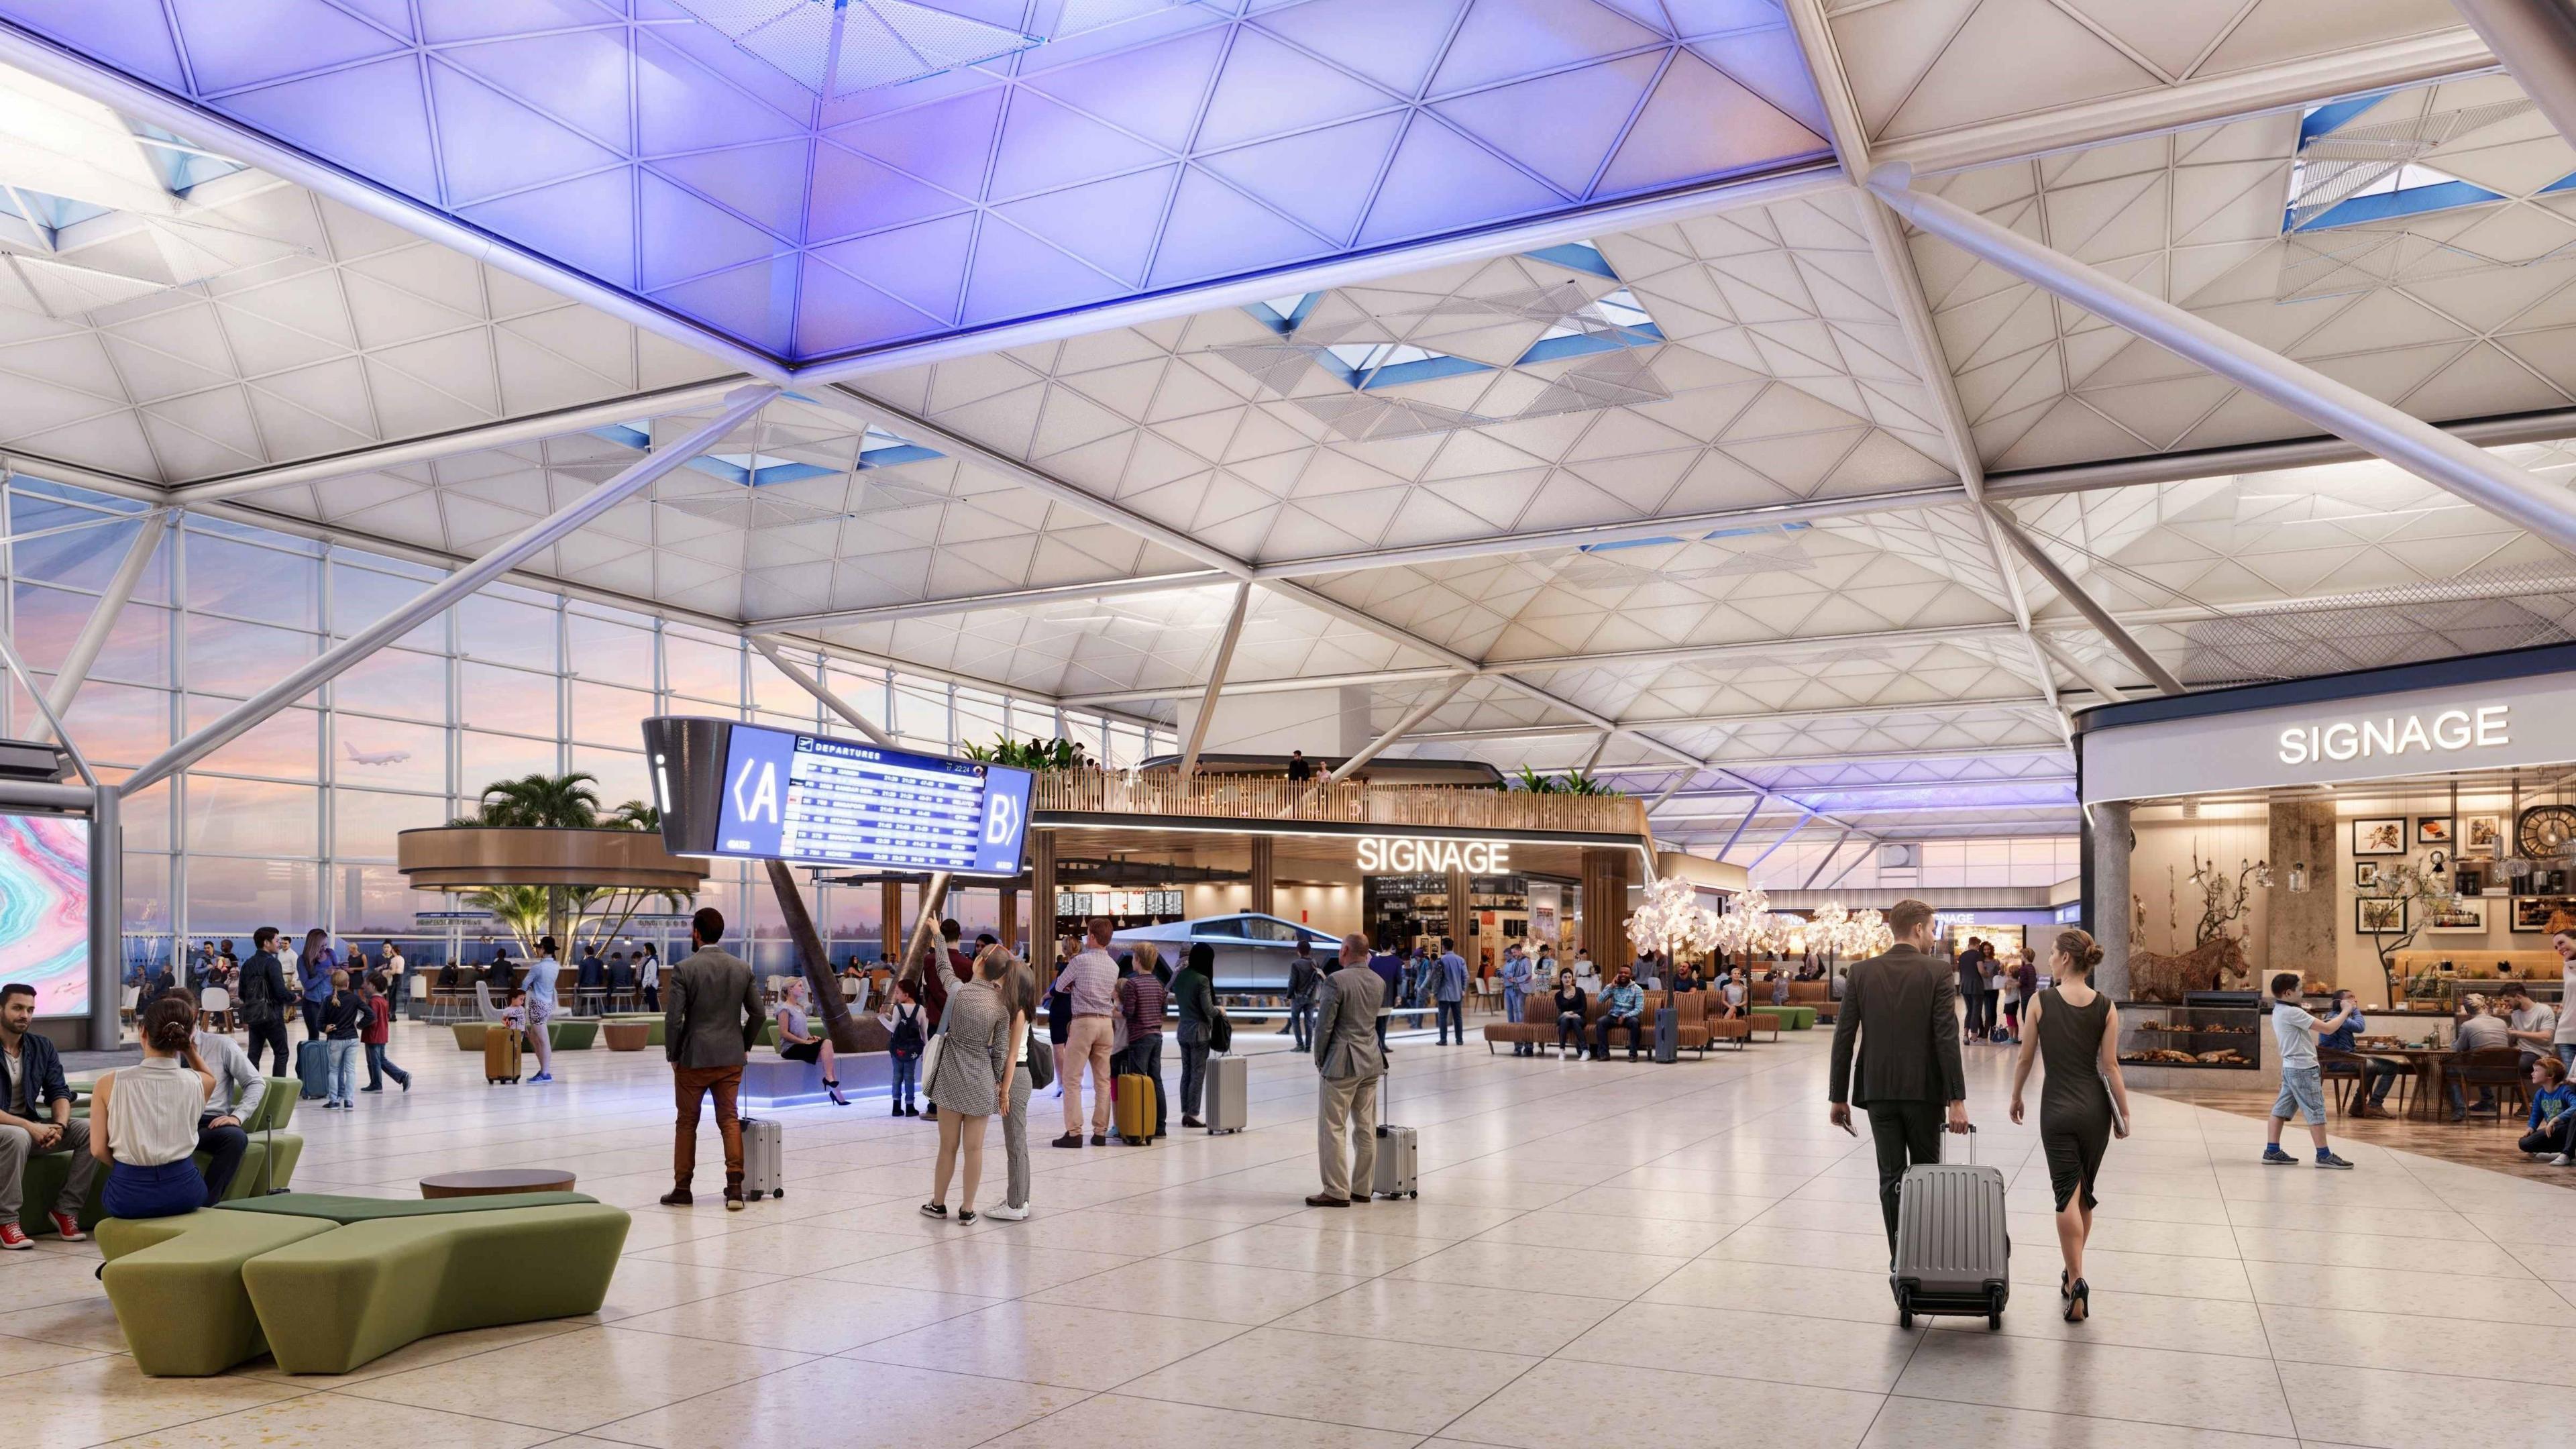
[1790, 410]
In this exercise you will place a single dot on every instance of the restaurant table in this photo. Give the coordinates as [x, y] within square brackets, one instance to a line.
[495, 1181]
[2427, 1062]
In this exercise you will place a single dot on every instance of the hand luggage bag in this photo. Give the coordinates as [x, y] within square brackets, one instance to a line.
[763, 1161]
[1229, 1079]
[1398, 1163]
[1668, 1035]
[1135, 1108]
[501, 1047]
[1953, 1255]
[313, 1071]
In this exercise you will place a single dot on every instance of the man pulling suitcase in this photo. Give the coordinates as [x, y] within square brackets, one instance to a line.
[1900, 1017]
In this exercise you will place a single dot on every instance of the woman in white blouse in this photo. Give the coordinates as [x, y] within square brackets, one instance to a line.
[143, 1121]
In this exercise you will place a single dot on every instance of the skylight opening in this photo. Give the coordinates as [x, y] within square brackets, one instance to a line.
[182, 166]
[2350, 175]
[1285, 314]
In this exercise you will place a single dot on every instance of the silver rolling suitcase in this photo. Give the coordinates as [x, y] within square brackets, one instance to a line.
[763, 1169]
[1953, 1255]
[1228, 1080]
[1398, 1163]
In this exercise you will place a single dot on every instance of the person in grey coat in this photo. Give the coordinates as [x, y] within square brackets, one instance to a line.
[711, 1016]
[969, 1085]
[1019, 987]
[239, 1090]
[1350, 1061]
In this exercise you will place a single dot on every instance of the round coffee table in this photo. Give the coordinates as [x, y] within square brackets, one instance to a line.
[496, 1181]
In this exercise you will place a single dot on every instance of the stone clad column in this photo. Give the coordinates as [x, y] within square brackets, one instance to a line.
[1265, 875]
[1605, 908]
[890, 929]
[2106, 904]
[2299, 926]
[1042, 908]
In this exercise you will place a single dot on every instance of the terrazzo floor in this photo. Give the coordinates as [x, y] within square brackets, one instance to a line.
[1602, 1254]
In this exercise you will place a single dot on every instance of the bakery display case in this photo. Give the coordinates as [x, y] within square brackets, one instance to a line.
[2188, 1042]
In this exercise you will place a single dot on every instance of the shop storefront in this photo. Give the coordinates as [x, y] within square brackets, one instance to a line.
[2407, 833]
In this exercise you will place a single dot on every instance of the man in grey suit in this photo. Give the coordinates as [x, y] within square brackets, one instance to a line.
[710, 1017]
[1350, 1060]
[1902, 1009]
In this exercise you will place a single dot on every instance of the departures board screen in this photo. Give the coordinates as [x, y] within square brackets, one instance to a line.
[734, 789]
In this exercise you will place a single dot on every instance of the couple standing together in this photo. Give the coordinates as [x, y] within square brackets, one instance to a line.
[1896, 1056]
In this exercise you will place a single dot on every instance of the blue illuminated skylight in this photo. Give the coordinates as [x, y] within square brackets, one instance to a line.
[1285, 314]
[1577, 256]
[1366, 365]
[183, 167]
[1615, 545]
[52, 213]
[2348, 175]
[1608, 324]
[877, 449]
[709, 161]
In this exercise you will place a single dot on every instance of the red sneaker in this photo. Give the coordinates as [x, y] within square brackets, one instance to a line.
[14, 1236]
[67, 1226]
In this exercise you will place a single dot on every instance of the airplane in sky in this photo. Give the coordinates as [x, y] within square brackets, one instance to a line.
[374, 757]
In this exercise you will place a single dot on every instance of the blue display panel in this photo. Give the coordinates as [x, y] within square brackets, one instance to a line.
[813, 800]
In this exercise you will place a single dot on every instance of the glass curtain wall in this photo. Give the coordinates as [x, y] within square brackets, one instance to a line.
[292, 825]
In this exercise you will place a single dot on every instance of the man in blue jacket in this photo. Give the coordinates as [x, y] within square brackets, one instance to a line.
[1623, 1004]
[1516, 984]
[1449, 994]
[35, 1117]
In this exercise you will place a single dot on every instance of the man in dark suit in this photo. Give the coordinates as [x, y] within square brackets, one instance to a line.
[1904, 1003]
[710, 1017]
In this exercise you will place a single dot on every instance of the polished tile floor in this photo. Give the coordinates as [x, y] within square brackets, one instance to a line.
[1602, 1254]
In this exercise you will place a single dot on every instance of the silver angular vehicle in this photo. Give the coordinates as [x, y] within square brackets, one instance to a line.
[1252, 950]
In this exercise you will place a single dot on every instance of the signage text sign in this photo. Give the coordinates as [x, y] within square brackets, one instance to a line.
[1402, 856]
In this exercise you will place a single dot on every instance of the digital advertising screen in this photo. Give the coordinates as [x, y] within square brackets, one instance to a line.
[44, 910]
[772, 794]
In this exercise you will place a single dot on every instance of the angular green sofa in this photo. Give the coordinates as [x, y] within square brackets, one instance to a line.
[1789, 1018]
[328, 1283]
[330, 1302]
[47, 1171]
[176, 1284]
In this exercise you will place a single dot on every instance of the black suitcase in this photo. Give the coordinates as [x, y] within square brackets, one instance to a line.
[1953, 1255]
[1668, 1036]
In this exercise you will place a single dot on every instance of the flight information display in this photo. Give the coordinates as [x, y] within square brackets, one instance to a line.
[814, 800]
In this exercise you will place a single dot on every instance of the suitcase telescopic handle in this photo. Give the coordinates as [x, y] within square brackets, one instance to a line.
[1970, 1134]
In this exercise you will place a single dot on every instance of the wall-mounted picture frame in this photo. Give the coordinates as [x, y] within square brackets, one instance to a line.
[2466, 916]
[2482, 835]
[2532, 914]
[2379, 836]
[2379, 916]
[2365, 873]
[2433, 830]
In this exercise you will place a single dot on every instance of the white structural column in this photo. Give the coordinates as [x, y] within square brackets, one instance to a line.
[1852, 865]
[1402, 727]
[1216, 677]
[2536, 40]
[740, 407]
[74, 670]
[1681, 777]
[2418, 447]
[769, 650]
[2085, 604]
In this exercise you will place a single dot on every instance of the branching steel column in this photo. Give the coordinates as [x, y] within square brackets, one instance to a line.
[542, 534]
[1804, 815]
[2418, 447]
[2536, 40]
[2093, 678]
[1848, 869]
[1216, 678]
[74, 670]
[814, 687]
[1740, 827]
[1403, 727]
[2094, 614]
[1835, 849]
[1680, 778]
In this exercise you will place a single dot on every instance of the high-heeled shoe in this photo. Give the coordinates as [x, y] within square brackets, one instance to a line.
[835, 1089]
[2065, 1285]
[2079, 1302]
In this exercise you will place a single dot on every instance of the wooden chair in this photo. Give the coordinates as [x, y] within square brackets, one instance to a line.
[2496, 1068]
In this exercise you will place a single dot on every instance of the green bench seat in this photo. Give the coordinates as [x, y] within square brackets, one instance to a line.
[1789, 1018]
[330, 1302]
[176, 1284]
[565, 1034]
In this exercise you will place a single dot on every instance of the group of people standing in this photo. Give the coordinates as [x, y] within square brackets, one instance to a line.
[1993, 986]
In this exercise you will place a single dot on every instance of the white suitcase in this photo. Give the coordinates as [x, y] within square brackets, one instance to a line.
[763, 1169]
[1229, 1080]
[1398, 1163]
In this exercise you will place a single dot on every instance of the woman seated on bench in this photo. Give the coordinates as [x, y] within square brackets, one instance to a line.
[143, 1120]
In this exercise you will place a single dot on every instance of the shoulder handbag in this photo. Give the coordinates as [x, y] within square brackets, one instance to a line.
[931, 1052]
[1118, 1024]
[1220, 1030]
[1041, 1063]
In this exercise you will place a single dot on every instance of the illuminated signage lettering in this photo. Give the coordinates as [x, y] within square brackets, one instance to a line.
[1406, 857]
[2449, 730]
